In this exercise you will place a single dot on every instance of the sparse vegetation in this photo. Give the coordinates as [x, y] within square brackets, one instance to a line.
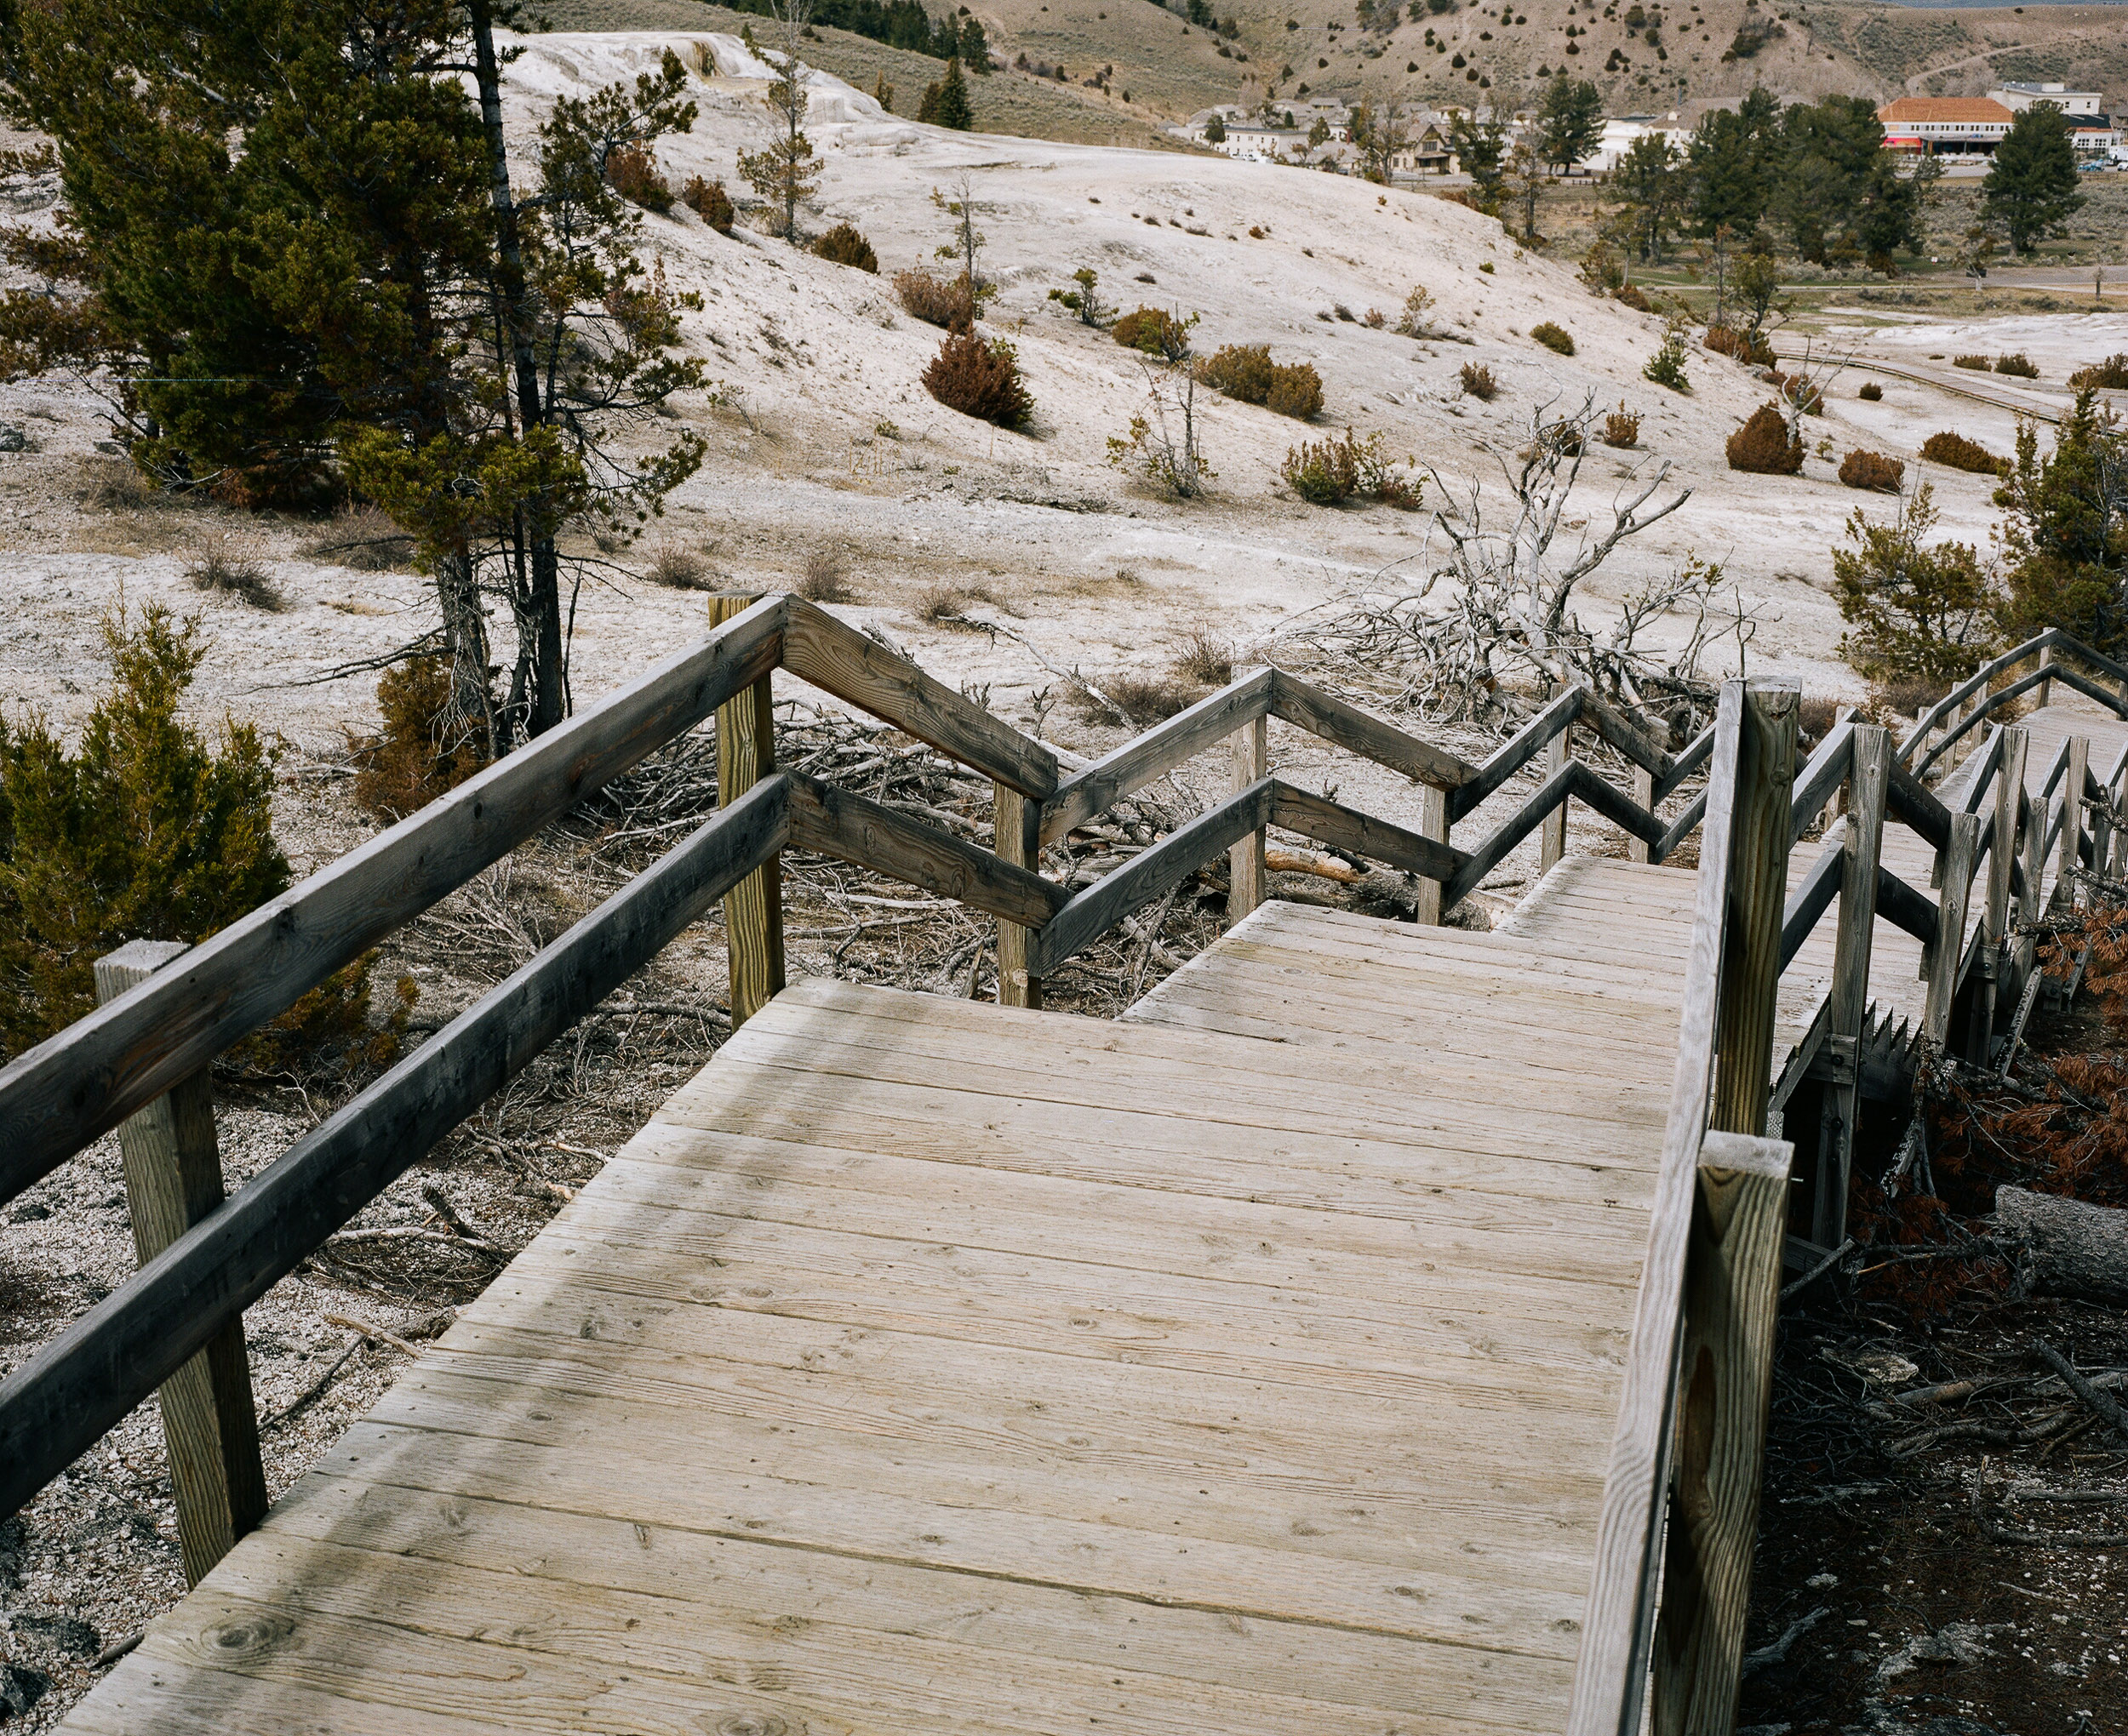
[1864, 469]
[1162, 443]
[1085, 300]
[1748, 347]
[1554, 337]
[979, 378]
[1764, 446]
[1621, 428]
[826, 578]
[233, 565]
[1667, 366]
[365, 539]
[845, 246]
[708, 200]
[419, 752]
[1978, 364]
[2017, 365]
[677, 569]
[1479, 382]
[144, 830]
[1871, 393]
[1329, 472]
[1204, 660]
[1246, 372]
[1955, 452]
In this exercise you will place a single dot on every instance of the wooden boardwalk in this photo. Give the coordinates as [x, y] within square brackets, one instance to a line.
[1250, 1364]
[1247, 1366]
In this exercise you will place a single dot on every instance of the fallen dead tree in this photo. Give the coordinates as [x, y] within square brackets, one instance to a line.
[2068, 1248]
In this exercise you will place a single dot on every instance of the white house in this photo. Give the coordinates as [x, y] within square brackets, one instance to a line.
[2077, 104]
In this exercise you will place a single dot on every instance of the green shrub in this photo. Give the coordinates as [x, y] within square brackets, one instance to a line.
[2111, 373]
[2016, 364]
[1329, 472]
[1918, 611]
[1246, 372]
[844, 246]
[1667, 366]
[1864, 469]
[1554, 337]
[1763, 445]
[1154, 332]
[144, 831]
[1956, 452]
[979, 379]
[1085, 300]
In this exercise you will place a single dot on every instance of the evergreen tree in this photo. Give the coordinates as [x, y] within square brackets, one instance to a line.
[1570, 122]
[2032, 189]
[1916, 611]
[1648, 180]
[1732, 162]
[1832, 156]
[1481, 150]
[2065, 536]
[1215, 129]
[972, 48]
[946, 103]
[787, 172]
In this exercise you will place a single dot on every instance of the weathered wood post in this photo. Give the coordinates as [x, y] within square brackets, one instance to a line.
[2046, 682]
[1956, 861]
[2073, 775]
[1019, 841]
[2030, 908]
[1250, 749]
[1732, 1288]
[1425, 900]
[1638, 849]
[1867, 778]
[1551, 830]
[173, 1173]
[1758, 887]
[2002, 858]
[753, 908]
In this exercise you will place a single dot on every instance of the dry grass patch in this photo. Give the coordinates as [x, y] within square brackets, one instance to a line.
[232, 563]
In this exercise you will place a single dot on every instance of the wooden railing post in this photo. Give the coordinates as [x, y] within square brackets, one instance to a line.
[172, 1175]
[1732, 1285]
[2002, 858]
[2073, 781]
[1758, 889]
[1426, 898]
[1019, 841]
[1637, 849]
[1955, 860]
[1868, 781]
[1552, 834]
[2046, 682]
[1250, 747]
[753, 908]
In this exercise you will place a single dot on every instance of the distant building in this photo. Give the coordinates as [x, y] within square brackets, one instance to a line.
[1621, 134]
[2077, 104]
[1945, 126]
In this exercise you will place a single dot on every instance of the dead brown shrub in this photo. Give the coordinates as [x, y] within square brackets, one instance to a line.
[1478, 383]
[1621, 428]
[938, 301]
[1206, 660]
[632, 172]
[234, 564]
[979, 378]
[366, 538]
[1763, 445]
[419, 753]
[825, 578]
[708, 200]
[678, 569]
[1956, 452]
[1864, 469]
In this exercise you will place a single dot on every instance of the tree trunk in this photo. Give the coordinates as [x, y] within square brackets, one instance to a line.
[2072, 1248]
[466, 639]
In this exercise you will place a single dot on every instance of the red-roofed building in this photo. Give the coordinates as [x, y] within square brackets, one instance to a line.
[1945, 126]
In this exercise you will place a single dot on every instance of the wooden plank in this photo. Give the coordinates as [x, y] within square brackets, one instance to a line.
[854, 829]
[1327, 822]
[1726, 1381]
[1156, 752]
[1758, 880]
[1810, 899]
[753, 908]
[55, 1406]
[840, 660]
[1636, 848]
[1945, 956]
[1814, 784]
[2075, 772]
[173, 1173]
[1249, 761]
[1611, 1668]
[1643, 751]
[1168, 864]
[1017, 831]
[57, 1097]
[1331, 719]
[1695, 755]
[1849, 1001]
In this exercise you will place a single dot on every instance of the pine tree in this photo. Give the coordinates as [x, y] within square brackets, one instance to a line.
[2032, 189]
[1731, 161]
[883, 93]
[1916, 611]
[789, 171]
[1570, 122]
[1215, 129]
[2066, 535]
[946, 103]
[1648, 180]
[973, 47]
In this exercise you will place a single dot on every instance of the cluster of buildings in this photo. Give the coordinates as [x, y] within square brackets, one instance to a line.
[1972, 126]
[1316, 133]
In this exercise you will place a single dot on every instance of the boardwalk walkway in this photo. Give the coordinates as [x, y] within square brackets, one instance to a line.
[1258, 1362]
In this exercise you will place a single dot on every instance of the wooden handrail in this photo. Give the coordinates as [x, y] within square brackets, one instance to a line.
[2054, 639]
[77, 1387]
[1162, 748]
[57, 1097]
